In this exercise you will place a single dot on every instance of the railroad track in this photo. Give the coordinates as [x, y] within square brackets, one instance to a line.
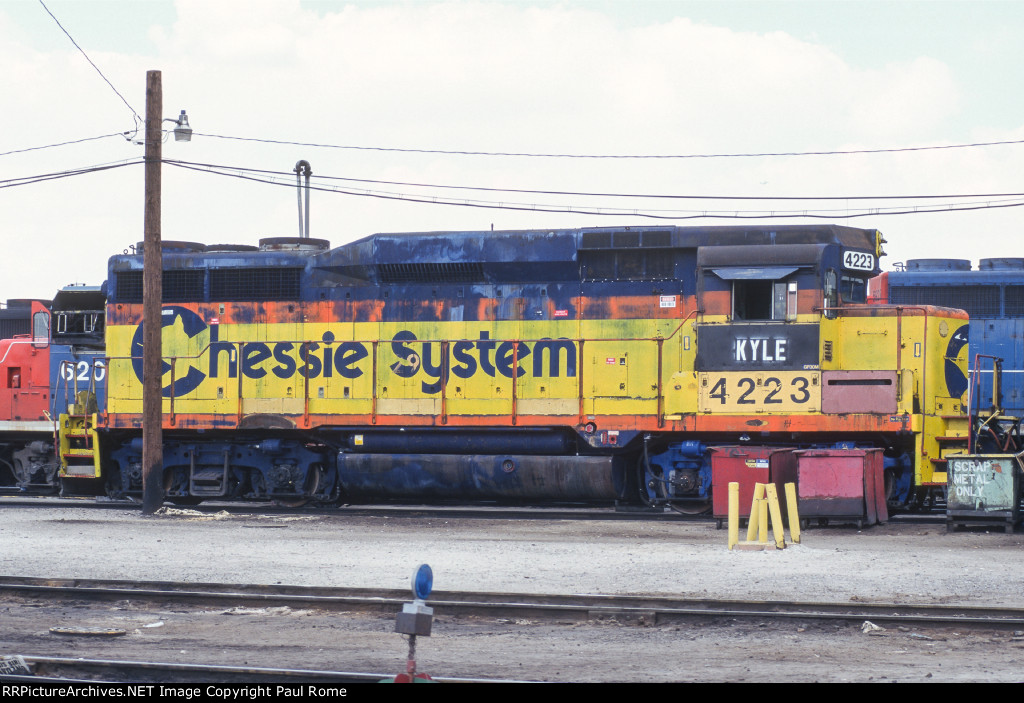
[51, 670]
[648, 610]
[486, 512]
[495, 512]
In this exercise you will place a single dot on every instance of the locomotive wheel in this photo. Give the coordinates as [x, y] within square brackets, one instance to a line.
[7, 470]
[20, 476]
[692, 508]
[312, 486]
[185, 500]
[291, 502]
[641, 476]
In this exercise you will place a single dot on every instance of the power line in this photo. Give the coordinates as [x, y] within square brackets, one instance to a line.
[138, 120]
[652, 196]
[75, 141]
[283, 180]
[454, 152]
[989, 201]
[56, 175]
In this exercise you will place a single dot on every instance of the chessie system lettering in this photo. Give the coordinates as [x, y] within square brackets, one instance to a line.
[327, 357]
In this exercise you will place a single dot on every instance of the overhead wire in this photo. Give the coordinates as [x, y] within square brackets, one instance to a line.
[990, 200]
[459, 152]
[74, 141]
[282, 179]
[56, 175]
[654, 196]
[138, 120]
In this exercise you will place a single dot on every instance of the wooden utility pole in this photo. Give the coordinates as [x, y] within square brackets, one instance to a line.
[152, 293]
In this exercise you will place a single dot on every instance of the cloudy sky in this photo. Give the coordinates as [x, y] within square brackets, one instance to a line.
[385, 98]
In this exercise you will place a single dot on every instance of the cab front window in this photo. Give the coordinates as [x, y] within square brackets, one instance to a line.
[853, 289]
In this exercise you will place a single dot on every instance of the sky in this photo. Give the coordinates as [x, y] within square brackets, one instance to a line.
[722, 102]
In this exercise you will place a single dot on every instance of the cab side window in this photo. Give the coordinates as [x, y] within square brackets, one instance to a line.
[40, 329]
[764, 300]
[831, 294]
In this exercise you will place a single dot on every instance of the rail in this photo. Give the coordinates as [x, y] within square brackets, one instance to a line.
[581, 607]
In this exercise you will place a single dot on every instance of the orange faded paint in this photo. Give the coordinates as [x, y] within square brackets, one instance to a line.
[628, 307]
[717, 302]
[797, 423]
[871, 310]
[267, 312]
[808, 301]
[733, 424]
[487, 309]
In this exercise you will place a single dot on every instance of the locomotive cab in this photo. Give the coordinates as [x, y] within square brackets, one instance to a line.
[27, 463]
[781, 283]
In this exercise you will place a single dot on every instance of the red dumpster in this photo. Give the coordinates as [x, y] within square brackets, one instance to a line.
[747, 466]
[841, 484]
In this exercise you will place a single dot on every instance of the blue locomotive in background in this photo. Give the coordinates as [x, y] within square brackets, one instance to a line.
[993, 297]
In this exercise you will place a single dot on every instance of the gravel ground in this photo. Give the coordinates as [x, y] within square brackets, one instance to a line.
[903, 563]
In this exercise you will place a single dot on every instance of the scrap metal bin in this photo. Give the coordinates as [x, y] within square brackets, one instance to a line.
[841, 484]
[983, 489]
[747, 466]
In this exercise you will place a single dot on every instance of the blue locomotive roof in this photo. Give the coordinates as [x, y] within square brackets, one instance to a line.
[624, 256]
[994, 291]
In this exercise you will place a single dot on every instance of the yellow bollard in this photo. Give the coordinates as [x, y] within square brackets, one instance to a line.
[776, 512]
[762, 521]
[753, 519]
[734, 514]
[794, 516]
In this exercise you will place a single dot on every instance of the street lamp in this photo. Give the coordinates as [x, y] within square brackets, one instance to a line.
[183, 132]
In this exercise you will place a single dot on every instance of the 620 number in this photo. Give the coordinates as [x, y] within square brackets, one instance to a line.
[80, 371]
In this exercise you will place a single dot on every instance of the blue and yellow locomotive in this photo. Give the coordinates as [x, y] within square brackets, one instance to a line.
[594, 364]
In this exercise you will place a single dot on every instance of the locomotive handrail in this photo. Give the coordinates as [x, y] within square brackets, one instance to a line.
[868, 307]
[972, 398]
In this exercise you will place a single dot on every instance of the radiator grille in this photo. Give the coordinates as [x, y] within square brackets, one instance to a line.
[443, 272]
[977, 301]
[255, 284]
[1014, 301]
[631, 265]
[178, 286]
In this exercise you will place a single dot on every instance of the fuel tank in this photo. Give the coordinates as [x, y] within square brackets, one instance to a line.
[537, 442]
[513, 478]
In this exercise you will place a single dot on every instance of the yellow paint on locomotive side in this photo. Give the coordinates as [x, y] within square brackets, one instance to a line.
[329, 368]
[859, 343]
[928, 387]
[914, 344]
[450, 369]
